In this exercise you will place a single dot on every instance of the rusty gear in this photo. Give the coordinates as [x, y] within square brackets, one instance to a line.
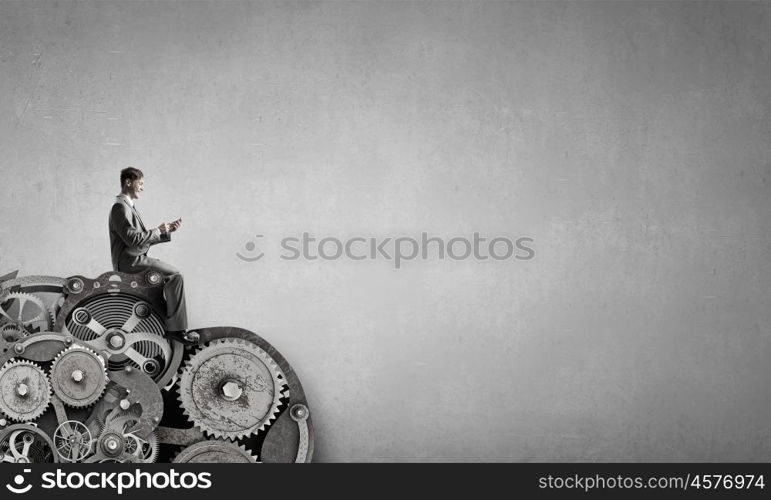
[24, 390]
[78, 376]
[231, 388]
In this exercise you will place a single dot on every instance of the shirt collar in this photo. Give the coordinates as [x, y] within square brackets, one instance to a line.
[127, 198]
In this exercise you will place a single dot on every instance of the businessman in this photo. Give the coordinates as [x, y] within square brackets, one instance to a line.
[130, 241]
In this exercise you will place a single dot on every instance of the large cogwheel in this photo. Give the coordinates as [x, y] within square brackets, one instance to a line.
[231, 388]
[215, 451]
[78, 376]
[24, 390]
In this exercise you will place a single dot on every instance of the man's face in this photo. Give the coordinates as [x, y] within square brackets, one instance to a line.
[134, 188]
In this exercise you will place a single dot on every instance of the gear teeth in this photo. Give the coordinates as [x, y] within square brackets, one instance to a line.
[8, 327]
[157, 449]
[248, 452]
[253, 458]
[53, 317]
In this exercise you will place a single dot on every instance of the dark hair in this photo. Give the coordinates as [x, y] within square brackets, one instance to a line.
[130, 173]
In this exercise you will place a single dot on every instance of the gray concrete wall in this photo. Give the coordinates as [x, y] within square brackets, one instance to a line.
[629, 140]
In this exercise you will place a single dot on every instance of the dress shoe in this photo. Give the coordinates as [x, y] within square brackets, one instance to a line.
[185, 337]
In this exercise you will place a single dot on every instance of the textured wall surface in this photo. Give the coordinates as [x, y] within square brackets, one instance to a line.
[629, 140]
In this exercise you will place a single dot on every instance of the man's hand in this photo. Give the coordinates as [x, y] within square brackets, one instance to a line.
[165, 227]
[173, 226]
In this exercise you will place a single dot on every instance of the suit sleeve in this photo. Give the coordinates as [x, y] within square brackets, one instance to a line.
[132, 236]
[163, 238]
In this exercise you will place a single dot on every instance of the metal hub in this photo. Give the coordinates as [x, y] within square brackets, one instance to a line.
[231, 390]
[117, 341]
[112, 444]
[115, 337]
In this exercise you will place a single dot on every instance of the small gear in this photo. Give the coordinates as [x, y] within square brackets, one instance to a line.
[24, 390]
[27, 312]
[78, 376]
[231, 388]
[215, 451]
[10, 333]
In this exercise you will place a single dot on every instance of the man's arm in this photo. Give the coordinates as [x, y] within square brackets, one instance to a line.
[134, 236]
[164, 237]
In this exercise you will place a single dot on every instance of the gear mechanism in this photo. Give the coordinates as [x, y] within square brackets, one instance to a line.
[24, 390]
[89, 362]
[26, 444]
[117, 444]
[231, 388]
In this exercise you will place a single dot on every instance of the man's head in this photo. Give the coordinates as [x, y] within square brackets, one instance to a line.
[132, 182]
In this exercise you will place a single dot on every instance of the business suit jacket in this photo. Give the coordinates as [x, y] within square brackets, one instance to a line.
[130, 239]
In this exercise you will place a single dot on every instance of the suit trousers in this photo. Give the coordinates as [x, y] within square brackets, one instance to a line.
[173, 291]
